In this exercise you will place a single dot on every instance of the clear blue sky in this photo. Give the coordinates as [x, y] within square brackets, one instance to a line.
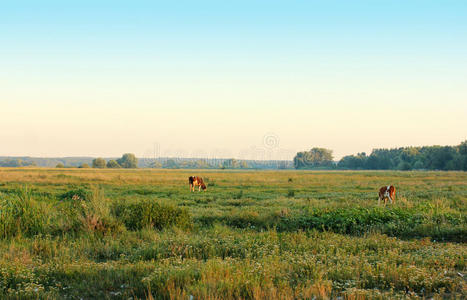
[106, 77]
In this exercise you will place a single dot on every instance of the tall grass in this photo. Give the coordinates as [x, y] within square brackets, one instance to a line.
[150, 213]
[21, 215]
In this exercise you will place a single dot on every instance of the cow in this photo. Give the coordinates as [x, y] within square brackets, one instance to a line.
[196, 181]
[387, 192]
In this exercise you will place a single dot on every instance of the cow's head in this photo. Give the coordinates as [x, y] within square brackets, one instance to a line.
[203, 186]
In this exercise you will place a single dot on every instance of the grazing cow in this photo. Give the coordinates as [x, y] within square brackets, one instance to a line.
[387, 192]
[196, 181]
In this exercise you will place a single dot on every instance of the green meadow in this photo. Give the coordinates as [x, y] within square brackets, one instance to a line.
[141, 234]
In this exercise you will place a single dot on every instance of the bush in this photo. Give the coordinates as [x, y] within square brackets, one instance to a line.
[60, 165]
[139, 214]
[86, 210]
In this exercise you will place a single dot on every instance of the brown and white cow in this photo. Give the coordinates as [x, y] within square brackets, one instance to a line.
[196, 181]
[387, 192]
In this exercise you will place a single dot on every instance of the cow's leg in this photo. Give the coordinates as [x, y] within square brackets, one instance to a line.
[199, 188]
[390, 199]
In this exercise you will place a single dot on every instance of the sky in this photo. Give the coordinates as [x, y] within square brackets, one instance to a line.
[244, 79]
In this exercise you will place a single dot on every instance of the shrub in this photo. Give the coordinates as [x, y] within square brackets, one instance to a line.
[86, 210]
[139, 214]
[60, 165]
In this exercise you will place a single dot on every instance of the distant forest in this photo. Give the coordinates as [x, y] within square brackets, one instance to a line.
[405, 158]
[133, 162]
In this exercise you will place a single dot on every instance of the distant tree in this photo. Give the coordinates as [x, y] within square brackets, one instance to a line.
[462, 156]
[243, 165]
[437, 157]
[230, 164]
[170, 164]
[113, 164]
[463, 148]
[11, 163]
[155, 165]
[128, 161]
[404, 166]
[85, 165]
[316, 157]
[200, 164]
[98, 163]
[408, 158]
[418, 165]
[59, 165]
[358, 161]
[380, 159]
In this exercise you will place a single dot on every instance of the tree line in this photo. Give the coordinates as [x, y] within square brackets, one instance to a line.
[404, 158]
[127, 161]
[9, 162]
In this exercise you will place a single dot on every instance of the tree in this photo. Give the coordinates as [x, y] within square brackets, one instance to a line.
[230, 164]
[155, 164]
[404, 166]
[353, 162]
[380, 159]
[200, 164]
[11, 163]
[170, 164]
[418, 165]
[408, 158]
[463, 148]
[85, 165]
[316, 157]
[462, 159]
[113, 164]
[437, 157]
[128, 161]
[243, 165]
[98, 163]
[59, 165]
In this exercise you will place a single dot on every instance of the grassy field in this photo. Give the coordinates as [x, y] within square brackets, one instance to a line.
[120, 234]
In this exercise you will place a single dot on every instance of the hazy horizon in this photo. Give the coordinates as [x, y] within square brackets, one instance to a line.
[263, 153]
[247, 79]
